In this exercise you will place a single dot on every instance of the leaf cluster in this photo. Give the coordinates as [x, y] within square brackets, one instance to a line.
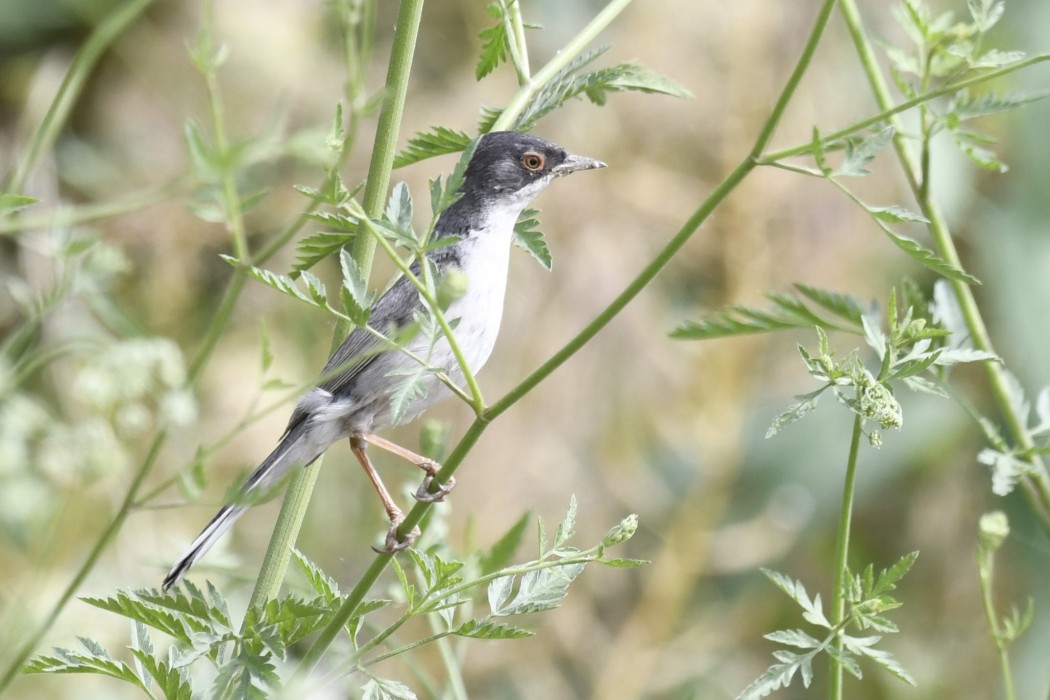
[912, 346]
[945, 50]
[1010, 462]
[245, 661]
[867, 599]
[249, 662]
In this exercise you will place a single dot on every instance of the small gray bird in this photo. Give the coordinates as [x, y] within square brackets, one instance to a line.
[506, 171]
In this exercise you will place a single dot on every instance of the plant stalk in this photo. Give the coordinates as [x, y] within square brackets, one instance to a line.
[838, 603]
[297, 498]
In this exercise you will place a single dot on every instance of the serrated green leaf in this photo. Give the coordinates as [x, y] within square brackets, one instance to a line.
[595, 85]
[180, 627]
[483, 629]
[411, 387]
[842, 305]
[398, 210]
[981, 157]
[499, 591]
[986, 13]
[171, 679]
[1007, 470]
[386, 689]
[567, 527]
[888, 577]
[94, 660]
[799, 410]
[797, 592]
[896, 214]
[794, 638]
[927, 258]
[540, 589]
[818, 152]
[966, 106]
[923, 385]
[528, 237]
[779, 675]
[437, 141]
[864, 646]
[357, 298]
[861, 152]
[998, 59]
[623, 563]
[494, 47]
[321, 583]
[487, 119]
[953, 356]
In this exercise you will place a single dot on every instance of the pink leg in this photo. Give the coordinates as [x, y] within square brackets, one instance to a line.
[393, 542]
[429, 466]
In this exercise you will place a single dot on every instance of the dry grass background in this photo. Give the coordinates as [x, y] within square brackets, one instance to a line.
[635, 422]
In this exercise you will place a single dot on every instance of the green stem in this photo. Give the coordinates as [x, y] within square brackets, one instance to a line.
[838, 604]
[646, 276]
[568, 52]
[985, 573]
[407, 647]
[385, 146]
[519, 50]
[1037, 484]
[889, 111]
[67, 216]
[297, 498]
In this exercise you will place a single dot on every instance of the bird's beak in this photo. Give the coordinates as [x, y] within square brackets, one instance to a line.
[572, 163]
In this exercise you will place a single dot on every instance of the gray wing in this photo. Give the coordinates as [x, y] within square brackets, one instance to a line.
[394, 310]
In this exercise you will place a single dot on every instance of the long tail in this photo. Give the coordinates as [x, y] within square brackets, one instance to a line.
[295, 448]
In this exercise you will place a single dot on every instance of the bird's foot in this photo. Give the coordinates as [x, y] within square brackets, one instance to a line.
[394, 542]
[424, 495]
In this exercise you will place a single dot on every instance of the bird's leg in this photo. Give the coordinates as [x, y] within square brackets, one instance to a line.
[429, 466]
[393, 542]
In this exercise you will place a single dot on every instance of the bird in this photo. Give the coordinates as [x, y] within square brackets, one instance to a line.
[354, 397]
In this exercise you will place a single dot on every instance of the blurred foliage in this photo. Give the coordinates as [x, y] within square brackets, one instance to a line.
[116, 268]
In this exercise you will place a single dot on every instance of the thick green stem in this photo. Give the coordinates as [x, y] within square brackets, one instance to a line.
[297, 498]
[838, 603]
[1037, 485]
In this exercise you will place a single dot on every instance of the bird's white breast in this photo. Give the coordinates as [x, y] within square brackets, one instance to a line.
[484, 261]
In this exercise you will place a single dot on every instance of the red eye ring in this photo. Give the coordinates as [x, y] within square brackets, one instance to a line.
[533, 161]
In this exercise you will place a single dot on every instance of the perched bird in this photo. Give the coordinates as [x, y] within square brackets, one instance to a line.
[506, 171]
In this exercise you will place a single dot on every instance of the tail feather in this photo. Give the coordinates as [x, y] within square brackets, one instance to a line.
[295, 448]
[218, 526]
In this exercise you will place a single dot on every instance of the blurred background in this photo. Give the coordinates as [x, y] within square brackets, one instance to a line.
[635, 423]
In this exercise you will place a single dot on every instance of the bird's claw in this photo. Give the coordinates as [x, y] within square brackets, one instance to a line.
[394, 543]
[424, 495]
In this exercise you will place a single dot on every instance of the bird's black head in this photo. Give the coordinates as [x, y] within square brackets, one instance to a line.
[515, 167]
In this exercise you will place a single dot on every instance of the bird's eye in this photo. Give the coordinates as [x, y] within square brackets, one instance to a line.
[532, 161]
